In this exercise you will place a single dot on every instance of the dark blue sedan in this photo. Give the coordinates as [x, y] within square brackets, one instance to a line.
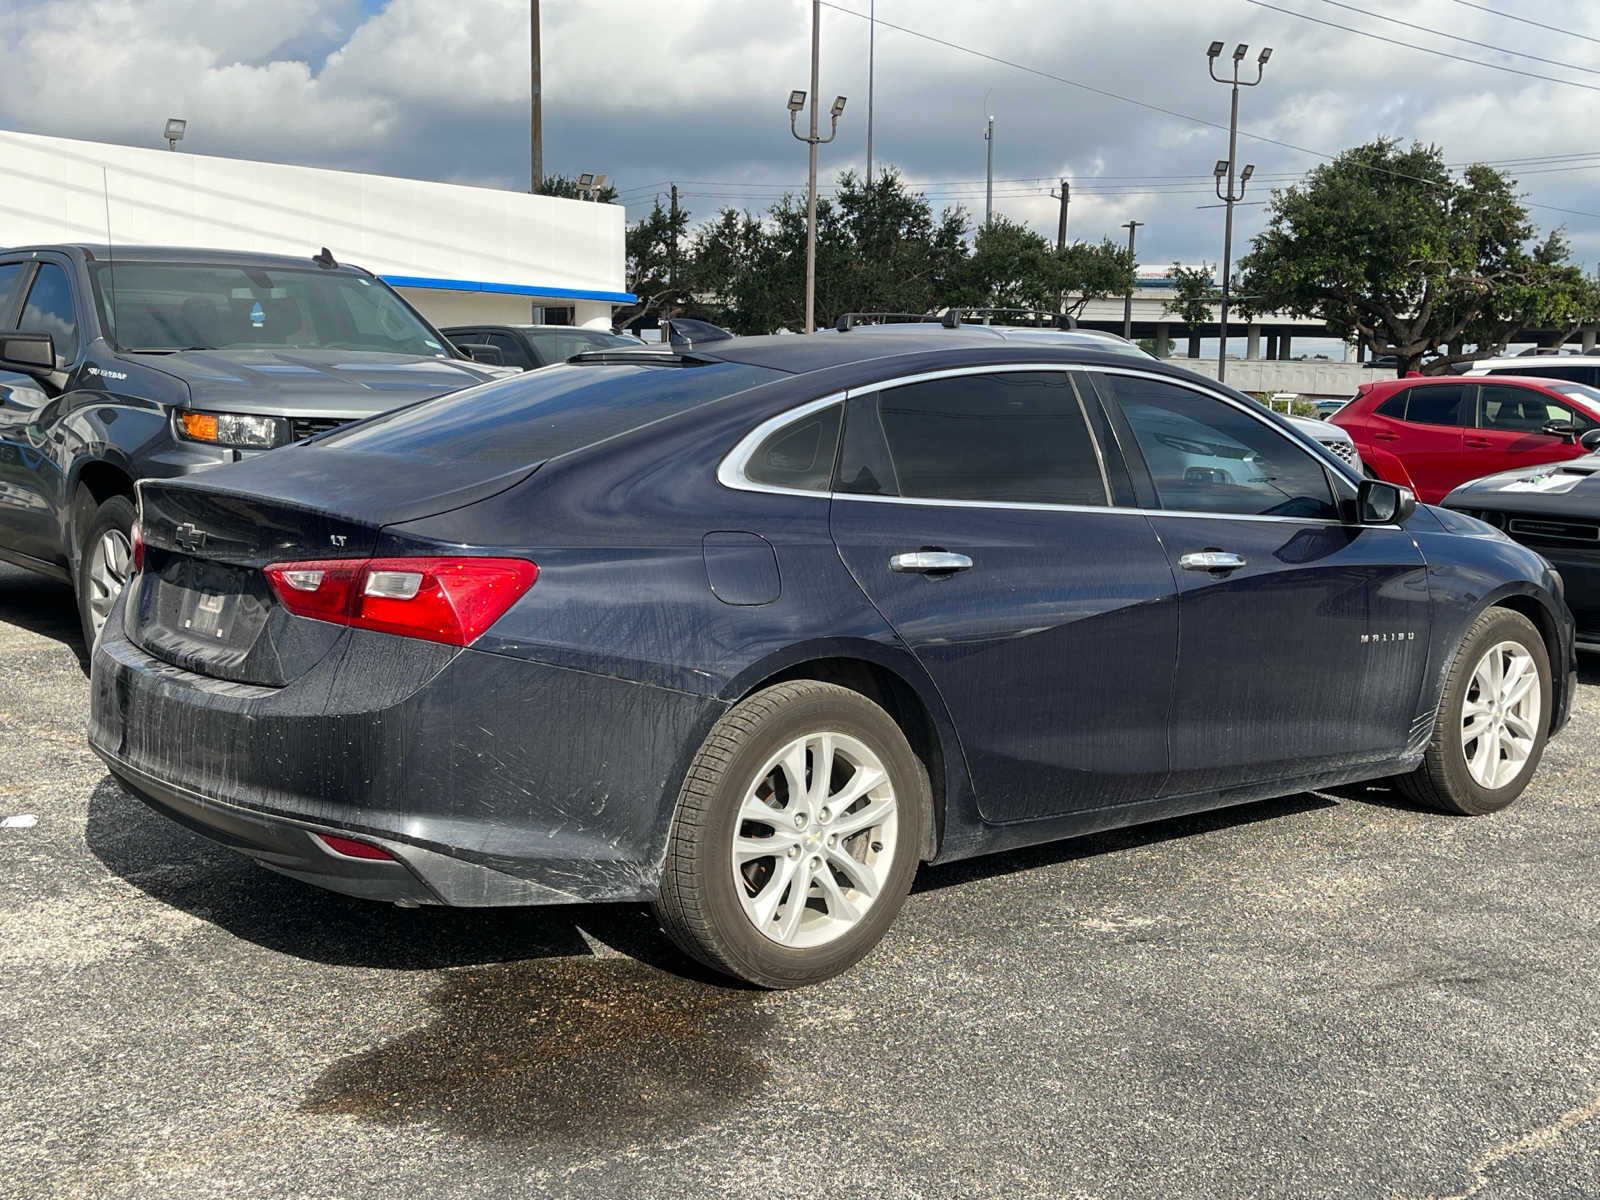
[750, 629]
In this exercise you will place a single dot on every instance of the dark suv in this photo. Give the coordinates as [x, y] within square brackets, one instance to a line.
[141, 362]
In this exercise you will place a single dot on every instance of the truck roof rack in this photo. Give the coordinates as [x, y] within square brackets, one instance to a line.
[948, 317]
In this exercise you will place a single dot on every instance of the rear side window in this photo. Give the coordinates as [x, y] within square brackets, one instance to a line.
[528, 418]
[800, 455]
[1394, 407]
[1440, 405]
[1008, 437]
[49, 310]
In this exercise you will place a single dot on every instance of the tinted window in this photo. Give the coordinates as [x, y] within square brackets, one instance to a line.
[1439, 405]
[1394, 407]
[800, 455]
[49, 310]
[1522, 410]
[1205, 455]
[558, 346]
[511, 350]
[527, 418]
[9, 274]
[1575, 372]
[1010, 437]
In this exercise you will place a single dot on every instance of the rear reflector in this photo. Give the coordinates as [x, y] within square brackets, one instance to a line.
[136, 537]
[450, 600]
[350, 848]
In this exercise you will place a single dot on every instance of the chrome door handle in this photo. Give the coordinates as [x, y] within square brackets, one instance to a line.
[927, 562]
[1210, 560]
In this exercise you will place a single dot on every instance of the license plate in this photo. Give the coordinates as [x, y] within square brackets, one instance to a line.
[208, 614]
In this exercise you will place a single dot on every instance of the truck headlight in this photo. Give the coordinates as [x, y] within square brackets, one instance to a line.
[238, 430]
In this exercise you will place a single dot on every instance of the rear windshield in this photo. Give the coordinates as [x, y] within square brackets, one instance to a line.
[537, 415]
[557, 345]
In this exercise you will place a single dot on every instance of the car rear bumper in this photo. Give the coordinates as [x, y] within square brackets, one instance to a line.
[490, 780]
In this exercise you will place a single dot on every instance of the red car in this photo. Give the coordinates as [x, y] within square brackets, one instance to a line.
[1434, 433]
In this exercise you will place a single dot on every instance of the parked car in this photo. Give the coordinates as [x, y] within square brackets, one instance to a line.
[1574, 368]
[1554, 509]
[528, 346]
[749, 628]
[1432, 434]
[141, 362]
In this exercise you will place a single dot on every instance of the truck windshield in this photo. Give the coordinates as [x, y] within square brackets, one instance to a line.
[162, 307]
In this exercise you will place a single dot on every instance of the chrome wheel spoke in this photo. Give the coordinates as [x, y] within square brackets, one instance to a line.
[750, 849]
[865, 817]
[794, 904]
[1501, 715]
[839, 907]
[861, 876]
[764, 904]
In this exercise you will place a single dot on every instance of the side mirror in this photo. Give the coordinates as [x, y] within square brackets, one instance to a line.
[1590, 441]
[480, 352]
[1380, 503]
[1565, 430]
[34, 353]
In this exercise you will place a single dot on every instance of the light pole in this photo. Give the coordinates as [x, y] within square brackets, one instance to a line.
[797, 101]
[1227, 167]
[988, 184]
[1127, 300]
[872, 31]
[536, 109]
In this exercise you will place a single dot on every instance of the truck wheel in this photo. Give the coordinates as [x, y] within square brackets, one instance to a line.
[795, 838]
[1493, 720]
[105, 560]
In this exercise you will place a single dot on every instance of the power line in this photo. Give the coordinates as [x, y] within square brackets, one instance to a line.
[1455, 37]
[1476, 62]
[1495, 12]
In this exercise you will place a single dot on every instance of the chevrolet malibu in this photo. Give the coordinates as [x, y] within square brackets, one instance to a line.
[751, 628]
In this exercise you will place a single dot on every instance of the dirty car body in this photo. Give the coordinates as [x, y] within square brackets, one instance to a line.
[706, 523]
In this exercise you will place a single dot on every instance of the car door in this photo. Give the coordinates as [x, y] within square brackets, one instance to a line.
[972, 507]
[1510, 432]
[1302, 638]
[1424, 427]
[31, 480]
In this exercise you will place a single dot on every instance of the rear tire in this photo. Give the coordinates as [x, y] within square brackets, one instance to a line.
[1485, 745]
[105, 560]
[848, 838]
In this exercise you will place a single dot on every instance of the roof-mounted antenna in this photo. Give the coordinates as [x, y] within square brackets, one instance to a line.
[686, 332]
[325, 260]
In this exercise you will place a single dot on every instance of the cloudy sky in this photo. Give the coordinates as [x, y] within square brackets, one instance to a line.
[693, 91]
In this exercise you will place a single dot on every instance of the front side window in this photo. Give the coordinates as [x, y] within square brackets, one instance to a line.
[162, 307]
[1206, 455]
[49, 310]
[9, 274]
[1017, 437]
[1522, 410]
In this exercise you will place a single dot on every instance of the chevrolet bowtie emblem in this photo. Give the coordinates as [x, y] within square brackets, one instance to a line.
[190, 537]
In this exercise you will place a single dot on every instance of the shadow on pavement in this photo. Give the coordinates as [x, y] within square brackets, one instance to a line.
[182, 869]
[41, 606]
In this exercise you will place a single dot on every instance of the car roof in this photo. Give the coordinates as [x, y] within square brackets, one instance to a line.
[1535, 361]
[799, 355]
[179, 254]
[528, 328]
[1541, 381]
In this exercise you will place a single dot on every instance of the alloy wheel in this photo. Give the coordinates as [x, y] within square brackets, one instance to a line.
[1500, 716]
[109, 562]
[815, 839]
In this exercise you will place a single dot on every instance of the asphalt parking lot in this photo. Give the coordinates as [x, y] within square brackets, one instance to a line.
[1326, 995]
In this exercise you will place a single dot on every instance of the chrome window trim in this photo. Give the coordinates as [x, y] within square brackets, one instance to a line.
[730, 471]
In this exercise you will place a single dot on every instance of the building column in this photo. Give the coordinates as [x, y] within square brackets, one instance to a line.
[1163, 340]
[1283, 346]
[1252, 342]
[592, 314]
[1272, 346]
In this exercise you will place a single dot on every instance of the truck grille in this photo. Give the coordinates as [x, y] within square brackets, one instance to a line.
[1345, 450]
[1530, 529]
[303, 427]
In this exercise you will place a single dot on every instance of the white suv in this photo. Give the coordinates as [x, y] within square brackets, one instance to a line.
[1575, 368]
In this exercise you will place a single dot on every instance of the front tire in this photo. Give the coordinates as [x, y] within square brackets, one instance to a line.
[105, 560]
[795, 838]
[1493, 720]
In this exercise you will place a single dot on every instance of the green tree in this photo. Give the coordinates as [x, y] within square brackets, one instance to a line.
[1391, 249]
[1194, 291]
[1081, 272]
[655, 264]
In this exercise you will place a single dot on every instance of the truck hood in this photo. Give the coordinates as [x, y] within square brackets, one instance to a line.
[324, 383]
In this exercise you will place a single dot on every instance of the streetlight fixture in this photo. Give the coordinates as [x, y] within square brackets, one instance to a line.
[1225, 167]
[797, 101]
[174, 131]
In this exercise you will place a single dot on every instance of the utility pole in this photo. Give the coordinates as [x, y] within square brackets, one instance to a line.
[537, 115]
[1127, 300]
[797, 101]
[1065, 196]
[988, 186]
[1228, 168]
[872, 31]
[672, 245]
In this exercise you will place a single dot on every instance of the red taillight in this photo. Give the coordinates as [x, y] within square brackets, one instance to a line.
[136, 537]
[350, 848]
[450, 600]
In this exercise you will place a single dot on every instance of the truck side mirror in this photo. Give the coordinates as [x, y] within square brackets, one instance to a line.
[33, 353]
[481, 352]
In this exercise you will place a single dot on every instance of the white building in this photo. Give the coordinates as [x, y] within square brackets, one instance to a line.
[459, 254]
